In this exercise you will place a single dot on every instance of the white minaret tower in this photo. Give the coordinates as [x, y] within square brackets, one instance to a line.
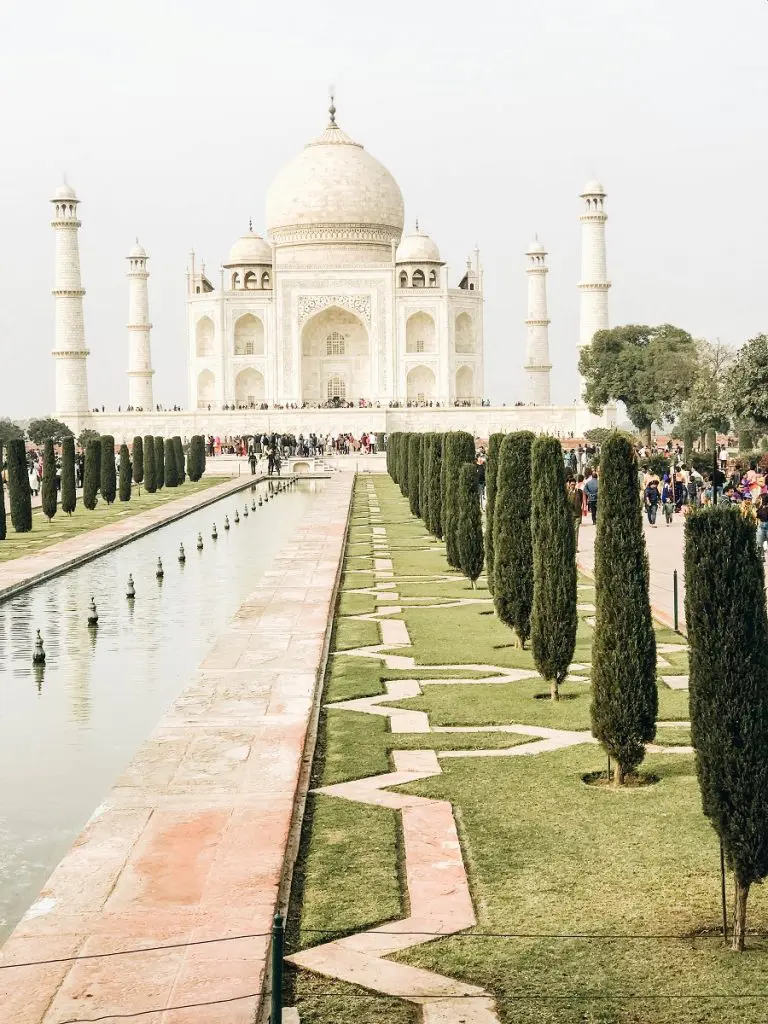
[537, 364]
[69, 348]
[139, 356]
[594, 282]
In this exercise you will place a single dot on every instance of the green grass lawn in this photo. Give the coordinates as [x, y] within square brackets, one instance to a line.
[62, 526]
[548, 857]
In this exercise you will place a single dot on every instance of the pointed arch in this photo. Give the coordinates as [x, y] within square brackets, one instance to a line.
[420, 333]
[465, 382]
[420, 384]
[249, 387]
[205, 334]
[206, 389]
[249, 336]
[464, 335]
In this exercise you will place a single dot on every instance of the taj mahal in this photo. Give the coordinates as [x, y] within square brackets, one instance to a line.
[337, 319]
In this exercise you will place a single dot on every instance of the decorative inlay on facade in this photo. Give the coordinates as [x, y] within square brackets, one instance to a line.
[299, 234]
[311, 304]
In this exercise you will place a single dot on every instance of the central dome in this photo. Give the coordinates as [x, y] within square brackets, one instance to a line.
[334, 192]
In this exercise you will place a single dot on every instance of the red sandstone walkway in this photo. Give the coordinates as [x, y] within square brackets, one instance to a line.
[190, 843]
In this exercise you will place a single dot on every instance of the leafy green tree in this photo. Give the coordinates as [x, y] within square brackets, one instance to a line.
[138, 459]
[18, 487]
[458, 448]
[706, 406]
[3, 523]
[92, 473]
[85, 436]
[435, 500]
[9, 431]
[553, 613]
[171, 475]
[108, 478]
[47, 429]
[403, 464]
[414, 472]
[469, 535]
[624, 695]
[746, 383]
[512, 540]
[491, 471]
[159, 463]
[125, 473]
[48, 496]
[650, 369]
[178, 451]
[728, 641]
[150, 475]
[68, 484]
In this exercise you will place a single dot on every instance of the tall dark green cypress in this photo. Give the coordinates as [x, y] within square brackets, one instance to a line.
[18, 487]
[391, 448]
[491, 471]
[68, 484]
[553, 616]
[624, 695]
[125, 473]
[196, 457]
[459, 447]
[728, 643]
[159, 463]
[178, 451]
[423, 497]
[92, 473]
[435, 502]
[469, 534]
[108, 475]
[3, 522]
[414, 472]
[512, 538]
[48, 496]
[138, 460]
[403, 464]
[150, 476]
[171, 476]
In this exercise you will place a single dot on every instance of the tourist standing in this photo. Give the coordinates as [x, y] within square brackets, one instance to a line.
[590, 493]
[576, 501]
[652, 498]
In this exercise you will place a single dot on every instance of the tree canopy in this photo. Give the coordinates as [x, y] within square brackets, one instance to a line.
[746, 384]
[9, 431]
[47, 429]
[652, 370]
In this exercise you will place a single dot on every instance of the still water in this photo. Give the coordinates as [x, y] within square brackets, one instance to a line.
[67, 732]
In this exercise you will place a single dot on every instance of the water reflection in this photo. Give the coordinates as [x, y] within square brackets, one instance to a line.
[68, 727]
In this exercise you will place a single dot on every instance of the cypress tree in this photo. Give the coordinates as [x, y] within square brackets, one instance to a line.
[138, 459]
[402, 464]
[171, 476]
[512, 539]
[49, 497]
[624, 695]
[159, 463]
[108, 475]
[470, 524]
[423, 488]
[391, 445]
[196, 457]
[491, 471]
[728, 643]
[3, 522]
[459, 447]
[414, 472]
[150, 477]
[125, 473]
[68, 487]
[18, 487]
[553, 614]
[178, 451]
[435, 501]
[92, 472]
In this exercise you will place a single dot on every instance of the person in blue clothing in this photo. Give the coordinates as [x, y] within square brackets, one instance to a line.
[590, 494]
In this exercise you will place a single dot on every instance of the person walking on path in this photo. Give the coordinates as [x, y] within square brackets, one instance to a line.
[652, 498]
[667, 501]
[252, 461]
[480, 471]
[762, 525]
[590, 493]
[576, 501]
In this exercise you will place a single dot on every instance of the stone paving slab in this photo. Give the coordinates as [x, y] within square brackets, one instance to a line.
[190, 843]
[22, 572]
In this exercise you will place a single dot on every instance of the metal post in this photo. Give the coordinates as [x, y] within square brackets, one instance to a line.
[278, 941]
[674, 597]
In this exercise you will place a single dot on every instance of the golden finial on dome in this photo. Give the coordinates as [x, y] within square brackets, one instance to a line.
[332, 112]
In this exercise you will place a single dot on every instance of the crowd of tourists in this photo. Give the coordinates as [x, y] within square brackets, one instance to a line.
[310, 445]
[35, 461]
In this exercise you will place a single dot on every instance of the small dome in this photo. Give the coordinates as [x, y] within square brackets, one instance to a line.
[65, 191]
[417, 248]
[593, 188]
[248, 250]
[536, 248]
[138, 252]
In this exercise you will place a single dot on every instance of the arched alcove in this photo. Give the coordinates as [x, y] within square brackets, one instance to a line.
[249, 387]
[420, 333]
[465, 382]
[334, 343]
[249, 336]
[204, 336]
[206, 389]
[464, 338]
[420, 384]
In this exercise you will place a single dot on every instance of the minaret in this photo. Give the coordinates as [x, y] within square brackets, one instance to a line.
[537, 364]
[69, 348]
[594, 282]
[139, 356]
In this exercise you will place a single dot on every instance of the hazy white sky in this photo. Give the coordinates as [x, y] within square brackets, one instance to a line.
[170, 118]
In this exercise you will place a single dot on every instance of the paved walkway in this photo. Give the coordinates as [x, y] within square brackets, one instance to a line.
[189, 846]
[34, 568]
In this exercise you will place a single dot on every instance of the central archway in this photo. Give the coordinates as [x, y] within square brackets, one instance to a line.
[335, 357]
